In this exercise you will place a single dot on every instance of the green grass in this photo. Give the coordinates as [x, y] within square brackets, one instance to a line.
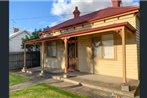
[44, 91]
[16, 79]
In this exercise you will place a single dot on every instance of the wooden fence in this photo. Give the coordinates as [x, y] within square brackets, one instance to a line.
[16, 60]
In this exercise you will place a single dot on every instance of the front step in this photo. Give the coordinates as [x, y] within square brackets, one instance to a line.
[106, 90]
[112, 91]
[100, 92]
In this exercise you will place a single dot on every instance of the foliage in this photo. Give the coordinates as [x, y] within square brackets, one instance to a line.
[32, 36]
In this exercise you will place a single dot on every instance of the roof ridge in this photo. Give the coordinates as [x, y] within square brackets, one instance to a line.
[17, 33]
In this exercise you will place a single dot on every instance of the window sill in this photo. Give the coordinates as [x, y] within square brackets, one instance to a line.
[113, 59]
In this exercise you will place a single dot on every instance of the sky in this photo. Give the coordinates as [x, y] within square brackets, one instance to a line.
[38, 14]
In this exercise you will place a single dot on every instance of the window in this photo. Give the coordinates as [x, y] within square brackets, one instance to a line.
[51, 49]
[103, 47]
[108, 46]
[97, 47]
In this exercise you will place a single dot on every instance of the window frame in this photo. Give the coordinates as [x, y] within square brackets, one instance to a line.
[114, 45]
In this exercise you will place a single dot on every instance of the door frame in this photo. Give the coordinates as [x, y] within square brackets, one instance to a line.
[74, 40]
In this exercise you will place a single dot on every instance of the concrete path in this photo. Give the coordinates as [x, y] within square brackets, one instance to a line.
[21, 86]
[66, 85]
[75, 88]
[78, 89]
[81, 90]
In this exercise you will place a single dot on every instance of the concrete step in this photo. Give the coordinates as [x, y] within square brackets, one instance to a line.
[76, 84]
[106, 91]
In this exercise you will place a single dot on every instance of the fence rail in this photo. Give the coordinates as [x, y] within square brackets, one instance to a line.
[16, 60]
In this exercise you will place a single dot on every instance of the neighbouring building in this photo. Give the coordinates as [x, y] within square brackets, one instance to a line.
[104, 42]
[15, 40]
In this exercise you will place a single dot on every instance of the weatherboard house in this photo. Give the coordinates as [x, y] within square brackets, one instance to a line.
[104, 42]
[15, 40]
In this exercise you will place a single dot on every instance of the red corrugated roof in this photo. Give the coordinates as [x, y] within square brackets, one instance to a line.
[100, 14]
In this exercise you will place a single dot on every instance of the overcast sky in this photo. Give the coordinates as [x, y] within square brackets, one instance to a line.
[31, 14]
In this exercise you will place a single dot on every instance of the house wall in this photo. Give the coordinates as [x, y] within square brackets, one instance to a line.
[15, 43]
[131, 55]
[59, 61]
[112, 67]
[105, 66]
[85, 54]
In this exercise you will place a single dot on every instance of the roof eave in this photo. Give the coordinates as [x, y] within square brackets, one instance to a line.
[124, 24]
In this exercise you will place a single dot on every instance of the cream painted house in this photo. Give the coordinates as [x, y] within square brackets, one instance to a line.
[104, 42]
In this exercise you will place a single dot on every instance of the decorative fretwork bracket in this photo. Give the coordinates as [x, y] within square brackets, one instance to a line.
[119, 31]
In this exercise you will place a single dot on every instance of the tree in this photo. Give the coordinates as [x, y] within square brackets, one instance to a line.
[34, 35]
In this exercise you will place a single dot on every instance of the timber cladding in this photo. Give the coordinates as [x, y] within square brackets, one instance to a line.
[16, 60]
[106, 66]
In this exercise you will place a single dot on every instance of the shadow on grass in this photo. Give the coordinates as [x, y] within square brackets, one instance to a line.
[43, 90]
[16, 79]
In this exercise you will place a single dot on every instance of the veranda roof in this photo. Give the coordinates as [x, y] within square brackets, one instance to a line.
[81, 32]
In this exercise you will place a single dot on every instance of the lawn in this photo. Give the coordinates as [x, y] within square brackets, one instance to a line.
[44, 91]
[16, 79]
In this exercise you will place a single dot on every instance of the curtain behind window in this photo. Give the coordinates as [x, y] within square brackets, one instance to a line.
[97, 48]
[52, 49]
[108, 46]
[103, 46]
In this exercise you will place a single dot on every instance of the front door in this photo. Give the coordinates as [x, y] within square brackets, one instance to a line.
[72, 54]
